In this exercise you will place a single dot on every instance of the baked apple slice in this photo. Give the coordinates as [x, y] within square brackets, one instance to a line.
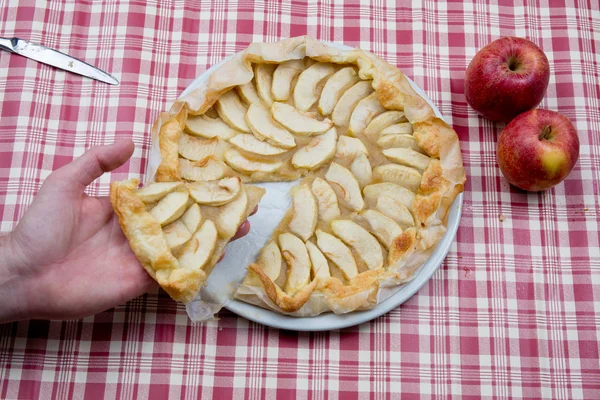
[365, 111]
[232, 111]
[283, 76]
[247, 93]
[297, 122]
[382, 227]
[195, 149]
[215, 193]
[318, 151]
[192, 218]
[232, 214]
[239, 162]
[407, 157]
[208, 169]
[264, 127]
[335, 87]
[177, 234]
[199, 249]
[349, 147]
[399, 140]
[305, 217]
[382, 121]
[156, 191]
[263, 76]
[398, 174]
[296, 257]
[396, 210]
[208, 128]
[320, 266]
[170, 207]
[335, 250]
[327, 202]
[361, 169]
[250, 144]
[403, 127]
[375, 191]
[306, 92]
[346, 186]
[269, 259]
[357, 237]
[349, 100]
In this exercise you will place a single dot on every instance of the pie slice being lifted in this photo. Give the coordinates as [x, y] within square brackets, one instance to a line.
[378, 172]
[178, 231]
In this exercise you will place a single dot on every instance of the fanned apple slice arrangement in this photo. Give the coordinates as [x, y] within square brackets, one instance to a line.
[378, 172]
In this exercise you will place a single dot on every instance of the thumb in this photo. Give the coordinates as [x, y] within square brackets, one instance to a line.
[79, 173]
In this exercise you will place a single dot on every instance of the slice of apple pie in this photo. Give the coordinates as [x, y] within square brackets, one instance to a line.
[179, 230]
[378, 172]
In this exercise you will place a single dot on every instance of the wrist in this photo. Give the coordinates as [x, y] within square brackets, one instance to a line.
[13, 301]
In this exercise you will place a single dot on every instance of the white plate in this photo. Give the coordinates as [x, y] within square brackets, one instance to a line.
[330, 321]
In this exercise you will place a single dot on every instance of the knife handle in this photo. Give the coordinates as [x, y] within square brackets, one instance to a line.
[7, 44]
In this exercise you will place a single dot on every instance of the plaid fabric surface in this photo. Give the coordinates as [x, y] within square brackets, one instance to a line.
[512, 313]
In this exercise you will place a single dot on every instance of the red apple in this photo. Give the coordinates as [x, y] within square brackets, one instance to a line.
[537, 149]
[507, 77]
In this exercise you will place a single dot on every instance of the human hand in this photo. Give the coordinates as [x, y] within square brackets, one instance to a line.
[67, 257]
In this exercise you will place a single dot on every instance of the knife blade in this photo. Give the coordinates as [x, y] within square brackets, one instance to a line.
[55, 58]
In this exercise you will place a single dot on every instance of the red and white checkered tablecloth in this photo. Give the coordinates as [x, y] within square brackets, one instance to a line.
[514, 311]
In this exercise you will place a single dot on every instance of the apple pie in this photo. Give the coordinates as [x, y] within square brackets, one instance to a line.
[377, 172]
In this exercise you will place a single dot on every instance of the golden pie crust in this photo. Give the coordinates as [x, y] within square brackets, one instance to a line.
[378, 172]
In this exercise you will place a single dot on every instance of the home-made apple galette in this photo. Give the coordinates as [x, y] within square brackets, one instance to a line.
[378, 172]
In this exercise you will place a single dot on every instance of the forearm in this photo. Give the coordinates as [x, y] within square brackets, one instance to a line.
[13, 304]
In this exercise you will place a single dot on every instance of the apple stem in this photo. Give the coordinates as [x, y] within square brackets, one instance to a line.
[546, 132]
